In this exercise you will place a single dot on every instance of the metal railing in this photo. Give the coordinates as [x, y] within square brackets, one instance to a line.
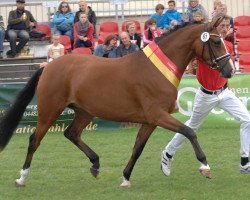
[17, 72]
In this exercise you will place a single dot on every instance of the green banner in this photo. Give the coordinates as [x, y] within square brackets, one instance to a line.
[239, 84]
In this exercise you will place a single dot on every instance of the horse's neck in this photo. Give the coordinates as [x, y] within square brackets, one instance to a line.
[179, 48]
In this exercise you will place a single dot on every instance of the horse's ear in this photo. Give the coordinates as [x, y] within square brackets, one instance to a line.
[216, 21]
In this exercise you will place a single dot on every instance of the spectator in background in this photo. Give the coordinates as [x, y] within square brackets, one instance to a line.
[193, 7]
[2, 36]
[126, 46]
[216, 3]
[63, 20]
[172, 25]
[108, 49]
[222, 9]
[83, 7]
[20, 23]
[134, 37]
[151, 32]
[171, 14]
[158, 16]
[55, 50]
[198, 17]
[83, 32]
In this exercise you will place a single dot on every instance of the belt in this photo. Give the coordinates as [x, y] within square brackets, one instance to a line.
[214, 91]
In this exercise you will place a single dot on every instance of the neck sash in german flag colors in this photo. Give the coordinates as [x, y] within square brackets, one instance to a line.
[163, 63]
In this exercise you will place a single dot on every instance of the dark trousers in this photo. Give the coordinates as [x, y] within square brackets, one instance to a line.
[81, 43]
[2, 36]
[23, 36]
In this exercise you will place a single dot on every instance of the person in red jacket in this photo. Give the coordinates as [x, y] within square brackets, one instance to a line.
[83, 32]
[213, 92]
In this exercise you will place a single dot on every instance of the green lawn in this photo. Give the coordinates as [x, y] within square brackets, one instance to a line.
[60, 171]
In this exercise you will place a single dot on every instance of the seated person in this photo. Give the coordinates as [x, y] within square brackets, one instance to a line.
[20, 22]
[126, 46]
[171, 14]
[194, 6]
[172, 25]
[63, 20]
[108, 49]
[198, 17]
[151, 32]
[83, 32]
[216, 3]
[158, 15]
[2, 36]
[134, 37]
[55, 50]
[83, 7]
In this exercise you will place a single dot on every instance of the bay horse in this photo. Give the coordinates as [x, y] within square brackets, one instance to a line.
[140, 87]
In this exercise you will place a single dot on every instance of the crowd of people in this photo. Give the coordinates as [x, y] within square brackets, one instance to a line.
[81, 26]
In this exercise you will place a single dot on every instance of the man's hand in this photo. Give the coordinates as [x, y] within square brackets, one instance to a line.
[85, 39]
[32, 24]
[24, 17]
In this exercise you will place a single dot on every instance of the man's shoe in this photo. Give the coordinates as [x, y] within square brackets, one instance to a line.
[11, 56]
[245, 168]
[165, 163]
[1, 55]
[8, 52]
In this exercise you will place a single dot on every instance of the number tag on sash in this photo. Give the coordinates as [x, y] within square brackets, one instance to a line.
[205, 36]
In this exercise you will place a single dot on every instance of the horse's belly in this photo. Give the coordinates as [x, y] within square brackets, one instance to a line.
[114, 109]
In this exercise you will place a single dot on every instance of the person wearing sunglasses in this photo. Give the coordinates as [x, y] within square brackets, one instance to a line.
[64, 20]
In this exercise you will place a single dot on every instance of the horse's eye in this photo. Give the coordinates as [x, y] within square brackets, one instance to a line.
[216, 42]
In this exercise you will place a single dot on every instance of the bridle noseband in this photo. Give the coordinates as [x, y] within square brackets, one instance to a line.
[214, 61]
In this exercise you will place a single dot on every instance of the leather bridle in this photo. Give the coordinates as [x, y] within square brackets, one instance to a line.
[214, 60]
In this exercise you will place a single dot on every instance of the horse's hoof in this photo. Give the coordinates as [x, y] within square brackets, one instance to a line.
[126, 183]
[94, 172]
[19, 183]
[205, 171]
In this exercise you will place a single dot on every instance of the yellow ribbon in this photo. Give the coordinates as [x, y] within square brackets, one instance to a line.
[161, 66]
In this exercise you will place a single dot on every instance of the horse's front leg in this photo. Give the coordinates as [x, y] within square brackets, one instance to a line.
[141, 140]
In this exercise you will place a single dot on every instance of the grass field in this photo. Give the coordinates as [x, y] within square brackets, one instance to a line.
[60, 171]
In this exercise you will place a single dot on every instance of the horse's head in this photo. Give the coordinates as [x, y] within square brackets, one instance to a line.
[213, 50]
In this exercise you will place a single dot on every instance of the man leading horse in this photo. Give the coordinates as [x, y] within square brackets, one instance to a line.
[213, 92]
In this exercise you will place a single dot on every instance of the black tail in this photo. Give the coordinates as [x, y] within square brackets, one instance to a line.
[11, 118]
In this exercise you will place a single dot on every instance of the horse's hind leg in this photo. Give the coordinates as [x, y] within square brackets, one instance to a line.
[167, 121]
[73, 133]
[141, 140]
[46, 117]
